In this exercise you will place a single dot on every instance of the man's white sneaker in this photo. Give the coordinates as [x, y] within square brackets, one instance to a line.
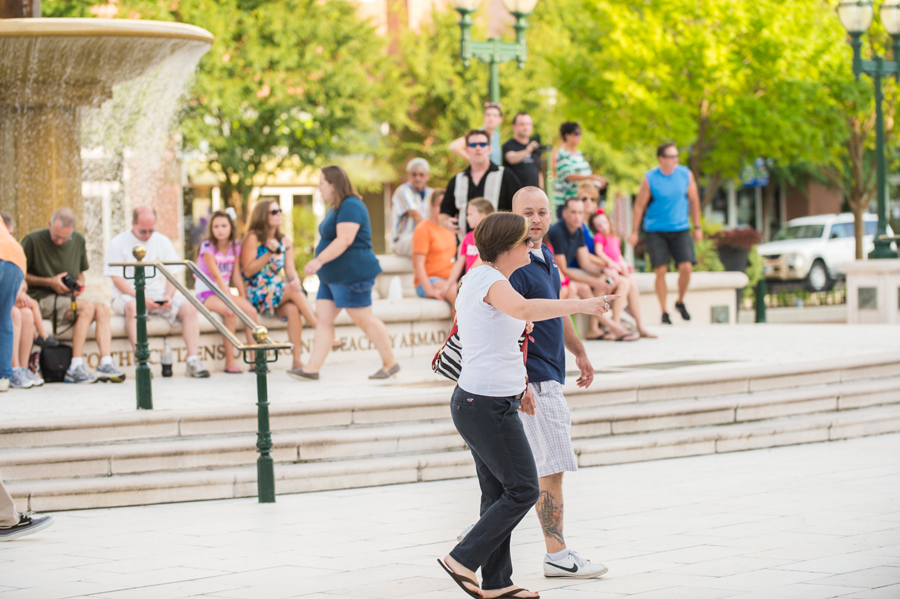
[573, 566]
[4, 385]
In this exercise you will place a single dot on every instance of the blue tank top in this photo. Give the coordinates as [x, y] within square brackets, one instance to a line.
[668, 208]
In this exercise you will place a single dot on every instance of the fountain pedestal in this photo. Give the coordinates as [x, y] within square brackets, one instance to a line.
[54, 70]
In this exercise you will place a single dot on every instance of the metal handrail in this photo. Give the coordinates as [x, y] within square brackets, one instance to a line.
[265, 468]
[160, 265]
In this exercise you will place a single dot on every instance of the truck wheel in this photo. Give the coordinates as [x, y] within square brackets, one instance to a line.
[818, 278]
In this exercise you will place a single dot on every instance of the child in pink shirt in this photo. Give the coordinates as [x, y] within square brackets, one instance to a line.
[476, 212]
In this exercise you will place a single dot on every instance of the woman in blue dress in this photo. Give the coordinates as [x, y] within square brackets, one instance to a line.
[271, 279]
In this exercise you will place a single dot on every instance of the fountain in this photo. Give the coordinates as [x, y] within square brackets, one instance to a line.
[88, 104]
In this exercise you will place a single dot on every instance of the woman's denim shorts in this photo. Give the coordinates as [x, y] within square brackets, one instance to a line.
[348, 295]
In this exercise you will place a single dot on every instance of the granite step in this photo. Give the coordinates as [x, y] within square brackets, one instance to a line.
[233, 482]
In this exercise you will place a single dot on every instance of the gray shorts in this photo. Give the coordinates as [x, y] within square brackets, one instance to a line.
[549, 431]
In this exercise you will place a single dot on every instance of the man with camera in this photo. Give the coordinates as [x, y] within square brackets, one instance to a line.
[57, 261]
[522, 155]
[160, 294]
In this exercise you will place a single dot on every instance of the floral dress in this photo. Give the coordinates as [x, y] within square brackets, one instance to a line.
[266, 288]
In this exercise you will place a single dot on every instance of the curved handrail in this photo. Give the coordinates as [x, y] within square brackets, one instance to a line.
[220, 327]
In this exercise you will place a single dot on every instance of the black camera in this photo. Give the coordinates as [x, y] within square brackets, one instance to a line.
[543, 148]
[70, 282]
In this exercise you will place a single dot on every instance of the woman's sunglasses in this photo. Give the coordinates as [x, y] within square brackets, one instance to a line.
[275, 211]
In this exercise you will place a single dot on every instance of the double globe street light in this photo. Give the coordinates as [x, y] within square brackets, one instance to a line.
[856, 16]
[493, 51]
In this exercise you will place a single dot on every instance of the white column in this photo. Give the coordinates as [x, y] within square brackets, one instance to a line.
[757, 200]
[732, 219]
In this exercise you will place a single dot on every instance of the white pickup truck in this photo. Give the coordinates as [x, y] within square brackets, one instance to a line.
[813, 248]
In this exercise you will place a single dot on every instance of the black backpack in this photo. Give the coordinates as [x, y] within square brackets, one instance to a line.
[55, 362]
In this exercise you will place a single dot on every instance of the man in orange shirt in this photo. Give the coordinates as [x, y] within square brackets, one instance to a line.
[434, 249]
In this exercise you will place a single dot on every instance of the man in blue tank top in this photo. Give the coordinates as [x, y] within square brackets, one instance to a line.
[667, 197]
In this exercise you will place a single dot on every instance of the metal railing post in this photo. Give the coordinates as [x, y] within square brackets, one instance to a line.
[142, 347]
[265, 466]
[761, 300]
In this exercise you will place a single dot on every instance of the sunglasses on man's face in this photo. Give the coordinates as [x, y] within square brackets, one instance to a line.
[146, 231]
[275, 211]
[670, 155]
[478, 144]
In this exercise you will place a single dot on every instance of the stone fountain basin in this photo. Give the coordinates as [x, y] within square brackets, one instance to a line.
[76, 62]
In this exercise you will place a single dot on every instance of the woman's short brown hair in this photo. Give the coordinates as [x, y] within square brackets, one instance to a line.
[339, 179]
[499, 233]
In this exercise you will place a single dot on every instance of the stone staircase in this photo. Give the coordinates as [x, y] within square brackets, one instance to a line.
[167, 456]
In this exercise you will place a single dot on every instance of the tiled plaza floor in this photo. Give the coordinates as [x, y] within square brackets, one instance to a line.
[802, 522]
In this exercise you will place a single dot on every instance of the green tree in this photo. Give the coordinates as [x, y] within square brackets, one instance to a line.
[438, 99]
[287, 84]
[851, 167]
[731, 81]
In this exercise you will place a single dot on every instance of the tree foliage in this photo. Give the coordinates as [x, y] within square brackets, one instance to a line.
[731, 81]
[287, 84]
[438, 99]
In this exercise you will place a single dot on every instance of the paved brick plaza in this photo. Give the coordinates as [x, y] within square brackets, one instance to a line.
[810, 521]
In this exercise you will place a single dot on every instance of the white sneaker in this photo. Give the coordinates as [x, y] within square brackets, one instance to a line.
[35, 377]
[20, 380]
[573, 566]
[4, 385]
[197, 370]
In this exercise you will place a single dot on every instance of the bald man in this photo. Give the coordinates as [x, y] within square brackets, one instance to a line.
[549, 429]
[161, 297]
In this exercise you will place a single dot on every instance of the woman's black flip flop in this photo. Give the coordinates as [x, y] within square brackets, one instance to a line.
[458, 579]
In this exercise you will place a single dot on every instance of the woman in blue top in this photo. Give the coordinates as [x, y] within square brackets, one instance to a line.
[347, 268]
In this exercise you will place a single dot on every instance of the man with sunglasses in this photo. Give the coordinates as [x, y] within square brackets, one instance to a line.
[410, 205]
[57, 261]
[493, 118]
[667, 202]
[160, 294]
[482, 179]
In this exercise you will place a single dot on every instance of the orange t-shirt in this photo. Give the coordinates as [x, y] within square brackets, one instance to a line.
[439, 246]
[10, 250]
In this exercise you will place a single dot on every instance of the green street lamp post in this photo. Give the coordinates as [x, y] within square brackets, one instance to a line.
[856, 16]
[493, 51]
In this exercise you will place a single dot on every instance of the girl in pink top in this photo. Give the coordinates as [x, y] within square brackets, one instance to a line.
[476, 211]
[606, 244]
[218, 260]
[608, 247]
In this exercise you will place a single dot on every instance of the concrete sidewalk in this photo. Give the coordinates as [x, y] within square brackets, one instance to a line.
[803, 522]
[679, 350]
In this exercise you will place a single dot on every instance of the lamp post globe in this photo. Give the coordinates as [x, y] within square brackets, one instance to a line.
[465, 5]
[856, 15]
[520, 7]
[890, 18]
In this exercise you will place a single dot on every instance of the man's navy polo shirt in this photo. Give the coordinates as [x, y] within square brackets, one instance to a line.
[547, 355]
[566, 242]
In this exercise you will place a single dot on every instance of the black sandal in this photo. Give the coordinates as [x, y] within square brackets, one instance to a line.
[460, 579]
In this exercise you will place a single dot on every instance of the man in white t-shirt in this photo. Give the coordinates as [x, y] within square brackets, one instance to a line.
[160, 295]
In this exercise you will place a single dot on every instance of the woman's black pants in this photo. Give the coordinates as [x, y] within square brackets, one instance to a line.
[491, 428]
